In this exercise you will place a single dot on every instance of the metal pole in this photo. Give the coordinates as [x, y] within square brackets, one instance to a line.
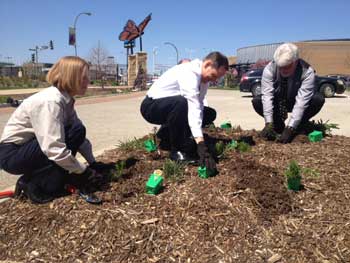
[75, 29]
[36, 61]
[154, 59]
[177, 53]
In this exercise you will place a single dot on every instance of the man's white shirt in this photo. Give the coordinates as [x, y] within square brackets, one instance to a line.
[184, 80]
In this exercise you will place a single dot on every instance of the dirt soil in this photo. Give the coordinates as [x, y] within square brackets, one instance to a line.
[244, 214]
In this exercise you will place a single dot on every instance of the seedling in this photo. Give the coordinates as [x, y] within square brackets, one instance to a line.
[204, 173]
[155, 182]
[315, 136]
[150, 146]
[219, 148]
[226, 125]
[293, 174]
[173, 171]
[243, 147]
[130, 145]
[118, 172]
[324, 127]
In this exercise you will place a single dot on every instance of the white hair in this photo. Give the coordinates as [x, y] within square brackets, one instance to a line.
[286, 54]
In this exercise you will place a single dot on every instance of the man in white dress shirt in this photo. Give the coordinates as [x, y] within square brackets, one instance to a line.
[175, 101]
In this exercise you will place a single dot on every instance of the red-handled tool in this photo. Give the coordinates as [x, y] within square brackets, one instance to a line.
[5, 194]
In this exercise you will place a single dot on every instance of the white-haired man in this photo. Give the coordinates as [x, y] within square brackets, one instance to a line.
[288, 85]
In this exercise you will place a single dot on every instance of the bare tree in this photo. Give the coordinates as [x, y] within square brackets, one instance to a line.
[98, 58]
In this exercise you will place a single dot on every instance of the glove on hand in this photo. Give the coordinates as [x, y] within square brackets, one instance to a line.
[268, 132]
[205, 158]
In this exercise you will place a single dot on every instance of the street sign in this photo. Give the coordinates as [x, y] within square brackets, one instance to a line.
[71, 36]
[129, 44]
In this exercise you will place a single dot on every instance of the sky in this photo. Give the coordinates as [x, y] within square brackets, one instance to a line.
[194, 27]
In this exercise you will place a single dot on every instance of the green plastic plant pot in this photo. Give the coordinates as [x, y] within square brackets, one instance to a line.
[294, 184]
[150, 146]
[315, 136]
[226, 125]
[203, 173]
[154, 184]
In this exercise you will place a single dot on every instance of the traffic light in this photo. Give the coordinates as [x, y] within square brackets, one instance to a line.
[51, 44]
[33, 58]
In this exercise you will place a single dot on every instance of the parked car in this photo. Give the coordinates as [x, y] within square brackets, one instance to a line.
[251, 82]
[344, 78]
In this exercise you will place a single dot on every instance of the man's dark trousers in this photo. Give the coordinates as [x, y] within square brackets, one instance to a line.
[315, 105]
[172, 112]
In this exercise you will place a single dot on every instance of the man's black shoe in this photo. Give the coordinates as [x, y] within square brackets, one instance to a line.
[178, 156]
[31, 191]
[21, 186]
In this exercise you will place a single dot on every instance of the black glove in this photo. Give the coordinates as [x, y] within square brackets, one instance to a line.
[287, 135]
[101, 167]
[205, 158]
[268, 132]
[89, 180]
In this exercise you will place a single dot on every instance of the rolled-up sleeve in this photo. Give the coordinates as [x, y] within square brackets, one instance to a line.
[267, 91]
[303, 98]
[48, 124]
[189, 88]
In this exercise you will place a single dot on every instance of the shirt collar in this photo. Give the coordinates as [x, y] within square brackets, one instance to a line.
[66, 97]
[197, 66]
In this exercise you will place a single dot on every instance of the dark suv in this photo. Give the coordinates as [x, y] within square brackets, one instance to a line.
[328, 86]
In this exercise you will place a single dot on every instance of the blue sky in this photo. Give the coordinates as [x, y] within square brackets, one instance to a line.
[195, 27]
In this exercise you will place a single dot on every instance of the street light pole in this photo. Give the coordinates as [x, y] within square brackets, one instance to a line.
[75, 30]
[177, 53]
[154, 59]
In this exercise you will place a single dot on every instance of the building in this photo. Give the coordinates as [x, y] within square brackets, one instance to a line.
[8, 69]
[33, 70]
[329, 56]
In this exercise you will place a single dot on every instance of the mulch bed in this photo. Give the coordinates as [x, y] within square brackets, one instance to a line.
[244, 214]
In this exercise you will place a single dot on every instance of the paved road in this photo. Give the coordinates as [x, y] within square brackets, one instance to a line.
[117, 118]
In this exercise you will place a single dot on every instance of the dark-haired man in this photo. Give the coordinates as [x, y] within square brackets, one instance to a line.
[175, 101]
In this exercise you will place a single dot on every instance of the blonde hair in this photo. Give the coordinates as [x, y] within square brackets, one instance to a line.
[286, 54]
[66, 74]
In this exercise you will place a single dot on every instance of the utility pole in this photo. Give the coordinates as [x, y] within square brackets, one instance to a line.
[36, 50]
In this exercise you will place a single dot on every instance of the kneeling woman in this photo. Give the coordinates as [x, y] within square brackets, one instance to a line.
[43, 135]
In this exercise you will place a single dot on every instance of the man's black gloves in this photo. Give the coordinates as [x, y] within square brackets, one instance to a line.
[287, 135]
[101, 167]
[268, 132]
[205, 158]
[89, 181]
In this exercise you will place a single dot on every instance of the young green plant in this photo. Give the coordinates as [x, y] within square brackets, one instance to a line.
[117, 173]
[173, 171]
[293, 175]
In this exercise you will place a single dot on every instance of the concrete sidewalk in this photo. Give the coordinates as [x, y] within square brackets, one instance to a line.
[34, 90]
[117, 118]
